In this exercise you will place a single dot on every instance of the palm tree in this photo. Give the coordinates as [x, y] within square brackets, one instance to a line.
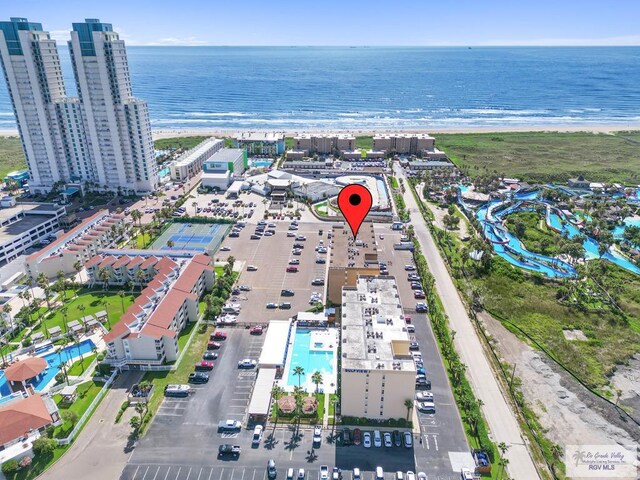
[122, 294]
[316, 378]
[136, 216]
[104, 275]
[556, 453]
[82, 308]
[140, 276]
[503, 462]
[64, 310]
[170, 244]
[6, 309]
[77, 266]
[299, 371]
[105, 304]
[408, 404]
[276, 393]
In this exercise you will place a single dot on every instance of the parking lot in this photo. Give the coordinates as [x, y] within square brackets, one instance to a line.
[271, 255]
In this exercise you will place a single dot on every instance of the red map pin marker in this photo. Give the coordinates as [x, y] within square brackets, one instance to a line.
[355, 202]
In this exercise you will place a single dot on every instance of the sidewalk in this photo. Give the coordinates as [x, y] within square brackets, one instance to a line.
[100, 451]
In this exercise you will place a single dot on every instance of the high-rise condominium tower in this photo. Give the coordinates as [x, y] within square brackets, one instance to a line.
[103, 136]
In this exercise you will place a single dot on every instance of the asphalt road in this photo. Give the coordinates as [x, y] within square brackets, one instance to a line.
[501, 419]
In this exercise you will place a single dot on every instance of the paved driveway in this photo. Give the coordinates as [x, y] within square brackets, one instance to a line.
[100, 451]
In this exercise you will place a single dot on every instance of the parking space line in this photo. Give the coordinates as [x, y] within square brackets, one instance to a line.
[178, 474]
[136, 472]
[154, 477]
[210, 473]
[145, 473]
[435, 440]
[188, 474]
[199, 473]
[221, 472]
[233, 470]
[425, 444]
[167, 474]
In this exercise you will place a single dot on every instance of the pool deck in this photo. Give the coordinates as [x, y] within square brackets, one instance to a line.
[322, 340]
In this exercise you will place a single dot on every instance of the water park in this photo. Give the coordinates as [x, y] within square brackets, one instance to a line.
[558, 217]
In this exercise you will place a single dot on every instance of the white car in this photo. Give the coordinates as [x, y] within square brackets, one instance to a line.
[377, 438]
[290, 474]
[356, 474]
[301, 474]
[247, 363]
[252, 268]
[427, 407]
[257, 434]
[366, 439]
[317, 435]
[424, 396]
[324, 472]
[225, 248]
[387, 440]
[410, 476]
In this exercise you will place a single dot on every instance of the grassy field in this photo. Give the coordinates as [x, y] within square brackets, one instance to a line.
[364, 142]
[178, 142]
[546, 157]
[92, 302]
[537, 237]
[86, 393]
[531, 305]
[81, 366]
[11, 156]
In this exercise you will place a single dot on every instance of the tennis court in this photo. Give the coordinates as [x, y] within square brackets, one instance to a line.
[203, 237]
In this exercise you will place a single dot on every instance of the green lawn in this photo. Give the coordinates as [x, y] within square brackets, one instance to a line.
[39, 465]
[80, 366]
[178, 142]
[143, 240]
[92, 300]
[545, 157]
[365, 142]
[393, 181]
[86, 393]
[537, 236]
[11, 156]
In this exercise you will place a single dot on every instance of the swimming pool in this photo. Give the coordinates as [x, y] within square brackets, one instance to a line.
[261, 163]
[309, 359]
[164, 172]
[54, 359]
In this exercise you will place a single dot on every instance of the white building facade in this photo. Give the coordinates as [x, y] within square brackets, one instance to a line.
[103, 136]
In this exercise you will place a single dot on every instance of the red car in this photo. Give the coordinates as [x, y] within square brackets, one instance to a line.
[213, 346]
[219, 335]
[204, 365]
[357, 436]
[257, 330]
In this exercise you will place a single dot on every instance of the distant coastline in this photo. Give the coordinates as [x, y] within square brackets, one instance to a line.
[217, 132]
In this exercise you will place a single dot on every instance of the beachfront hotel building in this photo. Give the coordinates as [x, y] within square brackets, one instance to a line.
[189, 164]
[377, 371]
[404, 144]
[260, 143]
[103, 136]
[324, 144]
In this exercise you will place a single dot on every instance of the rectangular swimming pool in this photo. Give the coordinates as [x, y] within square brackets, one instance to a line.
[311, 361]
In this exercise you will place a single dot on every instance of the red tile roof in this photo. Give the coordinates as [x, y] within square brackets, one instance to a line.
[202, 259]
[123, 260]
[190, 276]
[25, 369]
[93, 261]
[108, 261]
[148, 262]
[120, 328]
[168, 308]
[18, 417]
[157, 332]
[135, 261]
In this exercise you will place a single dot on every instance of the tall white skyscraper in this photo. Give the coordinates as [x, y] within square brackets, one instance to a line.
[103, 136]
[118, 129]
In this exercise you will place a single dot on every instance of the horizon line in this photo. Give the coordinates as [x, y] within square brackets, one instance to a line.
[471, 46]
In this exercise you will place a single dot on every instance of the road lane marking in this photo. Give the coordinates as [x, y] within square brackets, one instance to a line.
[435, 440]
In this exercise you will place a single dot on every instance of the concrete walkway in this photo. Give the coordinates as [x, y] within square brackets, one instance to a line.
[100, 452]
[501, 419]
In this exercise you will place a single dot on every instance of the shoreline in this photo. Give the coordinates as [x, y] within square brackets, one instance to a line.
[225, 132]
[289, 132]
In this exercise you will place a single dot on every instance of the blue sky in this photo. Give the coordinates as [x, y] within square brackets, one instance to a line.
[346, 22]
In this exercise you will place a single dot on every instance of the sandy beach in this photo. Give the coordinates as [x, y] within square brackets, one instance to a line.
[168, 133]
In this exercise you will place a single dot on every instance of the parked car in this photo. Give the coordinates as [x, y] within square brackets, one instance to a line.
[316, 282]
[198, 377]
[414, 346]
[422, 382]
[346, 436]
[407, 440]
[411, 329]
[397, 438]
[410, 475]
[257, 435]
[324, 472]
[387, 440]
[301, 474]
[272, 305]
[377, 438]
[225, 248]
[244, 288]
[298, 245]
[291, 234]
[422, 476]
[422, 308]
[219, 335]
[427, 407]
[317, 435]
[252, 268]
[366, 439]
[213, 345]
[204, 366]
[292, 269]
[228, 449]
[357, 436]
[209, 356]
[290, 474]
[229, 425]
[301, 238]
[257, 330]
[287, 293]
[247, 363]
[356, 474]
[336, 474]
[410, 268]
[284, 306]
[271, 469]
[294, 261]
[416, 286]
[419, 295]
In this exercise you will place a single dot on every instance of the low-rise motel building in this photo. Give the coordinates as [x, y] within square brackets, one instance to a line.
[377, 373]
[190, 162]
[101, 230]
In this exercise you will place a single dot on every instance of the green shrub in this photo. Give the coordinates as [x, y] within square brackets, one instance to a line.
[10, 467]
[44, 446]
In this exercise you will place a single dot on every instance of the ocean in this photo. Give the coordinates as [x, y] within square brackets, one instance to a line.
[292, 88]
